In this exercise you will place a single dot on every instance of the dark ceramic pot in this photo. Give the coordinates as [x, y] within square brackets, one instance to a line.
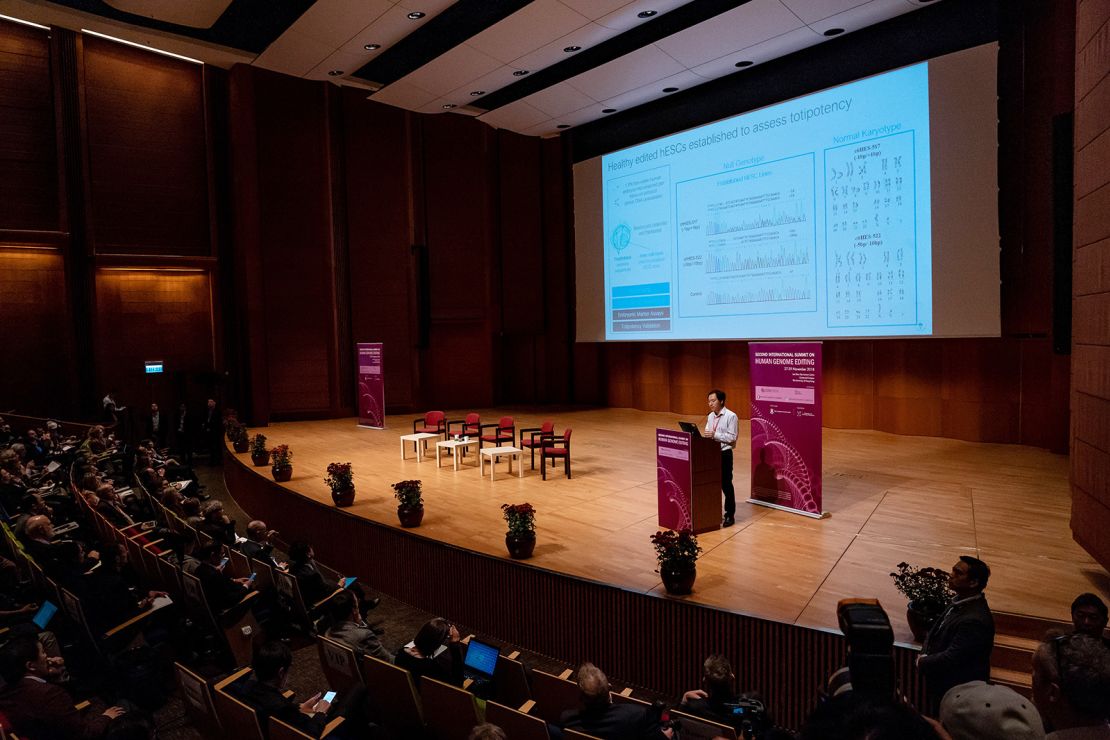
[241, 446]
[678, 580]
[520, 547]
[281, 475]
[260, 459]
[344, 496]
[410, 516]
[920, 620]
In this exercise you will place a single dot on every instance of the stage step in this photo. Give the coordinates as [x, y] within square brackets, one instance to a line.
[1021, 625]
[1013, 653]
[1021, 682]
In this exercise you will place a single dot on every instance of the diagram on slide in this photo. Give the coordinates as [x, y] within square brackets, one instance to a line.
[746, 241]
[639, 251]
[870, 240]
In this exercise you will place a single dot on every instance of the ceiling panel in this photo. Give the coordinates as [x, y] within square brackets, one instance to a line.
[787, 43]
[586, 36]
[812, 11]
[515, 116]
[594, 9]
[536, 25]
[338, 60]
[683, 80]
[404, 95]
[294, 54]
[487, 83]
[739, 28]
[559, 99]
[863, 15]
[335, 21]
[453, 70]
[628, 72]
[627, 17]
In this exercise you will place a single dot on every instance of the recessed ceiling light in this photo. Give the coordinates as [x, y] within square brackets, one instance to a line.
[335, 73]
[415, 15]
[477, 93]
[563, 125]
[670, 89]
[569, 49]
[520, 73]
[448, 106]
[647, 13]
[834, 32]
[372, 47]
[745, 63]
[609, 110]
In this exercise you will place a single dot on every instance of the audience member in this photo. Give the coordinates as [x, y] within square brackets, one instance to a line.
[1071, 686]
[190, 507]
[221, 590]
[958, 646]
[978, 710]
[131, 726]
[217, 525]
[313, 585]
[599, 716]
[258, 545]
[1089, 615]
[348, 627]
[155, 426]
[487, 731]
[184, 429]
[717, 700]
[212, 430]
[855, 716]
[36, 707]
[434, 652]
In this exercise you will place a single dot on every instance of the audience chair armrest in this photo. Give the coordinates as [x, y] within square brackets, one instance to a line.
[82, 706]
[241, 673]
[127, 625]
[288, 694]
[325, 600]
[467, 683]
[331, 726]
[527, 706]
[514, 655]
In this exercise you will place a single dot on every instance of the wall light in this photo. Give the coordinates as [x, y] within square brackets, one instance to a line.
[25, 23]
[141, 46]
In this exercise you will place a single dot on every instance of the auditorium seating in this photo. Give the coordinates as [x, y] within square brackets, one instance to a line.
[517, 724]
[553, 694]
[697, 728]
[449, 711]
[394, 701]
[535, 438]
[200, 706]
[339, 663]
[433, 422]
[555, 448]
[504, 433]
[238, 719]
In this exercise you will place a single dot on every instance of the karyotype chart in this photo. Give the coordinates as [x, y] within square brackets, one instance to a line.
[870, 245]
[746, 240]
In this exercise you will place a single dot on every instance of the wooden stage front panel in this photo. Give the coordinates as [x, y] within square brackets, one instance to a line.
[891, 498]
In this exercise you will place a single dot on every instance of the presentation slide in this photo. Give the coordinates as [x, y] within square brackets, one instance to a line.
[810, 218]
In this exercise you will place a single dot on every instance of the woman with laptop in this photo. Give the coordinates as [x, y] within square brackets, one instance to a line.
[434, 652]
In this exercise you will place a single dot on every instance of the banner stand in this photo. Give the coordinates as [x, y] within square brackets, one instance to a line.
[371, 385]
[786, 426]
[769, 505]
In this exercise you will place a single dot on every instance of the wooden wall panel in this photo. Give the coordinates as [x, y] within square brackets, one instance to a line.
[38, 358]
[558, 381]
[29, 191]
[147, 161]
[378, 158]
[460, 197]
[1090, 388]
[521, 235]
[296, 242]
[152, 315]
[848, 383]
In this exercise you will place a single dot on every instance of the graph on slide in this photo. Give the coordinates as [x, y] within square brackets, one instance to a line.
[768, 210]
[740, 259]
[763, 294]
[746, 242]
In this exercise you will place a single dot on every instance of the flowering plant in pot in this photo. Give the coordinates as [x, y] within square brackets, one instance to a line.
[281, 460]
[927, 594]
[410, 504]
[520, 540]
[341, 481]
[237, 433]
[677, 553]
[259, 454]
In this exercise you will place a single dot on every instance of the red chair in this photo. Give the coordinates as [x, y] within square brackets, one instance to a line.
[434, 422]
[504, 433]
[556, 448]
[471, 426]
[536, 437]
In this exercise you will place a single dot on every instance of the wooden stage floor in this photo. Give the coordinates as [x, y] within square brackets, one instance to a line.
[891, 498]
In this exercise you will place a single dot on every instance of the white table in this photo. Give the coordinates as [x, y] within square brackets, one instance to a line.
[454, 445]
[496, 453]
[419, 443]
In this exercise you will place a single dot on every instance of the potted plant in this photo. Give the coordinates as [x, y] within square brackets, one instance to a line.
[927, 594]
[341, 481]
[259, 454]
[520, 540]
[410, 505]
[281, 458]
[677, 553]
[237, 433]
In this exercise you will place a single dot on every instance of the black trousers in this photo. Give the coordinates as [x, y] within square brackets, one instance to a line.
[726, 483]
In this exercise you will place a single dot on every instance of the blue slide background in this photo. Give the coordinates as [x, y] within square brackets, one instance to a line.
[806, 219]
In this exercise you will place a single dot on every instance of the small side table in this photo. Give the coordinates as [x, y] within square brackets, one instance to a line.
[496, 453]
[454, 445]
[419, 443]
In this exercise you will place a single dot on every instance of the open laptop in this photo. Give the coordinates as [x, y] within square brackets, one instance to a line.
[480, 663]
[691, 427]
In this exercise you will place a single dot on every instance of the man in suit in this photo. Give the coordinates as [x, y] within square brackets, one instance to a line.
[258, 545]
[36, 707]
[348, 627]
[183, 432]
[157, 427]
[600, 717]
[958, 647]
[212, 429]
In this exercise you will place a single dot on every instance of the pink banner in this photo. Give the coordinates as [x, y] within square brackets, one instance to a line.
[786, 425]
[371, 385]
[672, 456]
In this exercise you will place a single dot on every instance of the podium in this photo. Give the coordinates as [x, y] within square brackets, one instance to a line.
[689, 480]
